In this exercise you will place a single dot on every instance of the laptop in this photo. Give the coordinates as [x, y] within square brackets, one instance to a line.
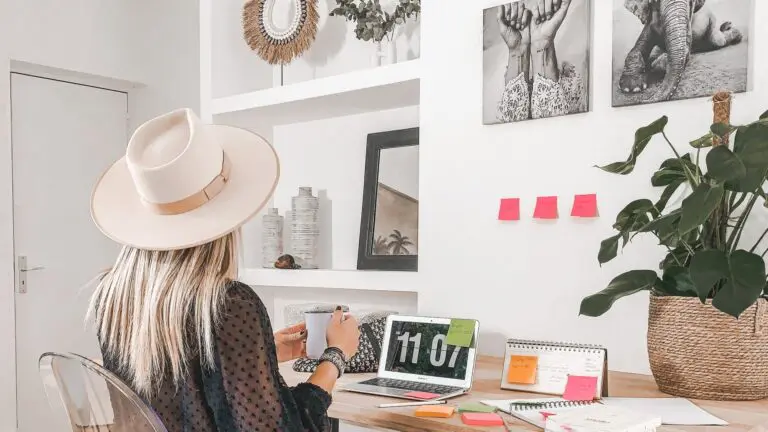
[416, 360]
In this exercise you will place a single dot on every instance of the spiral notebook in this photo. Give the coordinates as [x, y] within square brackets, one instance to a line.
[549, 364]
[536, 411]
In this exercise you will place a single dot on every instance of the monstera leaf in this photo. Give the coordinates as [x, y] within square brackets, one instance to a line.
[623, 285]
[724, 166]
[751, 147]
[741, 273]
[699, 205]
[642, 138]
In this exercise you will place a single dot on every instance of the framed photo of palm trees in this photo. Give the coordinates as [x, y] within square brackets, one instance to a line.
[389, 225]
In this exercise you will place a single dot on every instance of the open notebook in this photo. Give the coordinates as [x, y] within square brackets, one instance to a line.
[534, 411]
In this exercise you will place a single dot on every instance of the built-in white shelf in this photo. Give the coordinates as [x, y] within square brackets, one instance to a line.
[364, 280]
[373, 89]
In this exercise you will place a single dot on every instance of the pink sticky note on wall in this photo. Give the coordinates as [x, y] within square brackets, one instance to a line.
[584, 206]
[509, 209]
[580, 388]
[546, 208]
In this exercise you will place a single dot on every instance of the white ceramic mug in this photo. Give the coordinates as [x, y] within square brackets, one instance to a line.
[317, 326]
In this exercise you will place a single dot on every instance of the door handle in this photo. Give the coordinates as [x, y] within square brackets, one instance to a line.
[21, 277]
[32, 269]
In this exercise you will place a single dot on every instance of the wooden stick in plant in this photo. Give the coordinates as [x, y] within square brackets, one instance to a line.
[721, 108]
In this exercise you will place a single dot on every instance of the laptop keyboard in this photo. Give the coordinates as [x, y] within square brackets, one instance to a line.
[411, 386]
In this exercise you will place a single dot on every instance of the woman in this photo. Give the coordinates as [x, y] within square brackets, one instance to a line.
[172, 321]
[536, 86]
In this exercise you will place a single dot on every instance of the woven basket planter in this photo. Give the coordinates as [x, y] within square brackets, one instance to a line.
[699, 352]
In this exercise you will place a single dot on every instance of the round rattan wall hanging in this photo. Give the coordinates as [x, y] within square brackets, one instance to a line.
[274, 44]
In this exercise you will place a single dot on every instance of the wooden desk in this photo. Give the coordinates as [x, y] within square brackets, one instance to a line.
[362, 409]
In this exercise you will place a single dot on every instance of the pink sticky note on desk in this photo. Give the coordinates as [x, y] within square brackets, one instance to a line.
[421, 395]
[482, 419]
[546, 208]
[584, 206]
[509, 210]
[580, 388]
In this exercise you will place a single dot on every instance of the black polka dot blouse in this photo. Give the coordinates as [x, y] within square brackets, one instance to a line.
[245, 392]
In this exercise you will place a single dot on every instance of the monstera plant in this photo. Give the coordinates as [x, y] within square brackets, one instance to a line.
[706, 255]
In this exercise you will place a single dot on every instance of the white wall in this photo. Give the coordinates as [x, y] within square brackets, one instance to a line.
[168, 50]
[527, 279]
[88, 36]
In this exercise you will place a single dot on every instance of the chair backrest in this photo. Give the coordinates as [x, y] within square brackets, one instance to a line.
[86, 397]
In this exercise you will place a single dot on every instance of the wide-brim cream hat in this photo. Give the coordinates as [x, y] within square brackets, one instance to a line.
[183, 183]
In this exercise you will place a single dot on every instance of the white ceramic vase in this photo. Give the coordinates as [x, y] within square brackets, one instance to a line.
[385, 53]
[305, 228]
[271, 238]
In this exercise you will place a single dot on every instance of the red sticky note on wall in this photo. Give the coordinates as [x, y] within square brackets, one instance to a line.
[546, 208]
[580, 388]
[509, 210]
[584, 206]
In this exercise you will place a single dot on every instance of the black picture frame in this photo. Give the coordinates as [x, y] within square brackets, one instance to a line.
[366, 260]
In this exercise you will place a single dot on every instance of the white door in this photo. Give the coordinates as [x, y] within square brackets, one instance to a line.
[63, 135]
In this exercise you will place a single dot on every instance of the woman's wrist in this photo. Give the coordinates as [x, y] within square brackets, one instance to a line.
[336, 357]
[518, 62]
[542, 44]
[544, 60]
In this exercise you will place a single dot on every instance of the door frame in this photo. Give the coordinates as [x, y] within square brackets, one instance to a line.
[8, 402]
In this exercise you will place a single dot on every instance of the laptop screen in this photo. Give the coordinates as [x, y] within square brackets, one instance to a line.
[419, 348]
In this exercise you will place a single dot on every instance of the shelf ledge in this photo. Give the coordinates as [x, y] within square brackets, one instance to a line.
[368, 280]
[374, 89]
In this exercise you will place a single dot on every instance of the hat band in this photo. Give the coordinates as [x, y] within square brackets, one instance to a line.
[197, 199]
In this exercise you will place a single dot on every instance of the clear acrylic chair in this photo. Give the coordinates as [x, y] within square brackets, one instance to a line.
[86, 397]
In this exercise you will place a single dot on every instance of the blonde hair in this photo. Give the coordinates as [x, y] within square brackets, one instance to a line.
[155, 310]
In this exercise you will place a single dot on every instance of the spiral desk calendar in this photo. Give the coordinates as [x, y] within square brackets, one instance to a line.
[555, 361]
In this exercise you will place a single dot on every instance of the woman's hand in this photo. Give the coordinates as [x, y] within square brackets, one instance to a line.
[343, 333]
[514, 20]
[548, 15]
[291, 342]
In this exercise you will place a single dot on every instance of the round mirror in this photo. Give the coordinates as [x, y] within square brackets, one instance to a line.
[280, 30]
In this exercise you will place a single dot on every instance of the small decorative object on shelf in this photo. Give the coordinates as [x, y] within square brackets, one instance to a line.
[305, 227]
[708, 296]
[374, 24]
[286, 262]
[273, 43]
[271, 237]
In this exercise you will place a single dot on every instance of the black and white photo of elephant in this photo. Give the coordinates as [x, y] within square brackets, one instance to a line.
[679, 49]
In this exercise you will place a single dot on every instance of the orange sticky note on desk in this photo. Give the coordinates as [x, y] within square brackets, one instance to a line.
[509, 209]
[584, 206]
[580, 388]
[438, 411]
[546, 208]
[522, 369]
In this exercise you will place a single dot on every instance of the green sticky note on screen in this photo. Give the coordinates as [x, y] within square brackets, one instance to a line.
[476, 407]
[461, 332]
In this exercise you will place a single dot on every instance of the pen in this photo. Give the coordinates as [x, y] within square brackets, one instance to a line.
[407, 404]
